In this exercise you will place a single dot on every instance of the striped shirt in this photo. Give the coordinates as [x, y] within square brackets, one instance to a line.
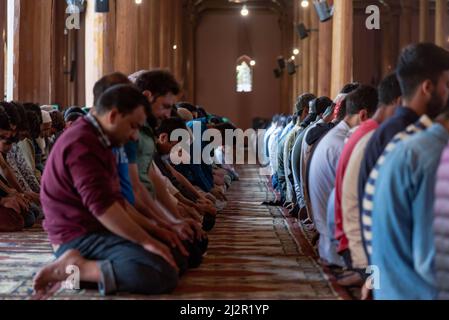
[366, 220]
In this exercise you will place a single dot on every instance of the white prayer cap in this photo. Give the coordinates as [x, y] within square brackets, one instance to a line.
[133, 78]
[47, 108]
[340, 97]
[46, 116]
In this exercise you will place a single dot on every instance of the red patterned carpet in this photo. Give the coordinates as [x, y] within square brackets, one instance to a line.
[254, 253]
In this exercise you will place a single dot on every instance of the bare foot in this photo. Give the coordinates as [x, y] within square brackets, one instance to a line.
[367, 293]
[55, 272]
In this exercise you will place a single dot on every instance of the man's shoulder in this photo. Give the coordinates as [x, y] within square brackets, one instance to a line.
[81, 134]
[391, 127]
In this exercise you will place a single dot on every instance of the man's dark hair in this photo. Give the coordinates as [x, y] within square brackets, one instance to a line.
[73, 113]
[72, 117]
[202, 113]
[186, 105]
[216, 120]
[418, 63]
[36, 109]
[108, 81]
[126, 98]
[158, 82]
[174, 112]
[11, 111]
[4, 120]
[23, 124]
[34, 127]
[364, 98]
[389, 90]
[350, 87]
[169, 125]
[222, 127]
[321, 104]
[303, 102]
[57, 120]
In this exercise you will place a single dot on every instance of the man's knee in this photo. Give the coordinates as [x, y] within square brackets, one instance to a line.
[148, 279]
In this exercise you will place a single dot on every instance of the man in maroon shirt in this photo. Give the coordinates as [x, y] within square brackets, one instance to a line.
[88, 221]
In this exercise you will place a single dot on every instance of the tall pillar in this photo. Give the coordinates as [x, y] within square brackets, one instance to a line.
[296, 79]
[190, 21]
[440, 23]
[405, 27]
[342, 44]
[126, 36]
[313, 53]
[166, 45]
[99, 48]
[154, 33]
[143, 36]
[387, 58]
[3, 29]
[31, 50]
[325, 59]
[305, 69]
[177, 55]
[423, 20]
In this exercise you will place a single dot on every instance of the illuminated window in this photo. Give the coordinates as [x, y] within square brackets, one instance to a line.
[244, 72]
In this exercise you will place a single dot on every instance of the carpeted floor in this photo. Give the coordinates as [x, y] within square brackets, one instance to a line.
[255, 253]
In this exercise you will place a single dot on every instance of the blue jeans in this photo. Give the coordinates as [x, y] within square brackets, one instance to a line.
[125, 266]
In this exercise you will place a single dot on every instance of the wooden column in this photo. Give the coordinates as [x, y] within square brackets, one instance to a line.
[325, 59]
[80, 53]
[190, 22]
[313, 53]
[3, 30]
[295, 82]
[126, 36]
[100, 44]
[441, 23]
[178, 41]
[342, 44]
[13, 58]
[286, 21]
[300, 44]
[154, 33]
[143, 36]
[165, 46]
[405, 27]
[60, 72]
[305, 69]
[387, 61]
[32, 51]
[423, 20]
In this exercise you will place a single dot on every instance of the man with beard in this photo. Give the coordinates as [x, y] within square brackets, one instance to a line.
[399, 196]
